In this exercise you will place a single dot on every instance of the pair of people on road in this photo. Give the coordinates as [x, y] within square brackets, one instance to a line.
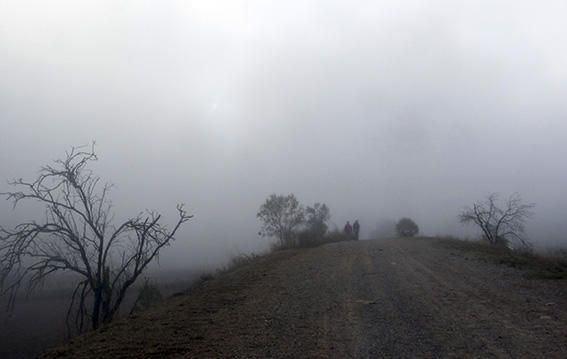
[353, 230]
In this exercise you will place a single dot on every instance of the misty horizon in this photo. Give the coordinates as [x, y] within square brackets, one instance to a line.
[379, 110]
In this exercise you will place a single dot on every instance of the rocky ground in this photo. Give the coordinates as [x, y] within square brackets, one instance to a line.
[416, 298]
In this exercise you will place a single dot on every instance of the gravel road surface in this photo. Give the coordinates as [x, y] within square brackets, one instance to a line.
[412, 298]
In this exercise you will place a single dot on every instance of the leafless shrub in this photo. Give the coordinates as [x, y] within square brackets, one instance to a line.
[77, 235]
[503, 226]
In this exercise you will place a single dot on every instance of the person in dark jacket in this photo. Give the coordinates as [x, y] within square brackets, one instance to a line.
[356, 229]
[348, 230]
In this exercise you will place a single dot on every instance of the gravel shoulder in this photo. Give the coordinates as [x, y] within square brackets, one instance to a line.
[366, 299]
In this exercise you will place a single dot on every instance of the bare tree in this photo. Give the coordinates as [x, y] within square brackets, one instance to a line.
[500, 225]
[77, 236]
[281, 216]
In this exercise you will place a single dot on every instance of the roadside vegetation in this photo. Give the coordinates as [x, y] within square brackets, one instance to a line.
[149, 296]
[293, 225]
[502, 224]
[235, 263]
[406, 227]
[502, 237]
[78, 236]
[538, 265]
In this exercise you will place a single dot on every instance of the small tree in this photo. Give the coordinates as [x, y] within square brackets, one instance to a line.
[77, 236]
[406, 227]
[314, 230]
[500, 225]
[281, 216]
[317, 218]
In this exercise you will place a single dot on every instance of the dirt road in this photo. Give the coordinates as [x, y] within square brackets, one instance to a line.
[367, 299]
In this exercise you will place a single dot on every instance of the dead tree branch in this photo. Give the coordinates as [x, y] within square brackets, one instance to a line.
[500, 225]
[77, 236]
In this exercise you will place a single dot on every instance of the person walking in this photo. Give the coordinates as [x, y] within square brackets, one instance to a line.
[356, 229]
[348, 230]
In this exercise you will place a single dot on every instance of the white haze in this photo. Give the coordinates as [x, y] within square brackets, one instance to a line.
[380, 109]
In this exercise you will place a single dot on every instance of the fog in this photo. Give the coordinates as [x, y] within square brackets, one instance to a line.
[380, 109]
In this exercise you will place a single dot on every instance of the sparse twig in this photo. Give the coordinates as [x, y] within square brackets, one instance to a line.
[77, 236]
[500, 224]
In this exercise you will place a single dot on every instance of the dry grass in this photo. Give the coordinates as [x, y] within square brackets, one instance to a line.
[241, 260]
[306, 240]
[551, 265]
[235, 263]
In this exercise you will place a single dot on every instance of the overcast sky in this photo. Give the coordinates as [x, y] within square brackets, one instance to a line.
[380, 109]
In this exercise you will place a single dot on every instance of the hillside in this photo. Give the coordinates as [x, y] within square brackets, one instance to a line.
[367, 299]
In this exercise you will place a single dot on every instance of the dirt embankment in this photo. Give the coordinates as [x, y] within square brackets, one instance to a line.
[367, 299]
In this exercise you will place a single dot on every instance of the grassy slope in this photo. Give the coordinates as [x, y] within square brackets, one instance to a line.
[540, 266]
